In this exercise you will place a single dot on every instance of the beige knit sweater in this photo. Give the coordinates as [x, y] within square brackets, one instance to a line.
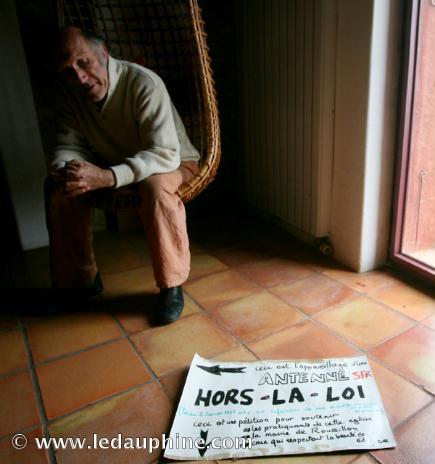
[137, 131]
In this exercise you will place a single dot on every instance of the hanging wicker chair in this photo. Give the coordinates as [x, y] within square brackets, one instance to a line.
[168, 37]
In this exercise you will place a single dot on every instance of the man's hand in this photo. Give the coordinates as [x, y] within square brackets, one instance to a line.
[79, 177]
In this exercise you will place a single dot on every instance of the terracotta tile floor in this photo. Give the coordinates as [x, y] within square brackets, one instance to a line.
[253, 293]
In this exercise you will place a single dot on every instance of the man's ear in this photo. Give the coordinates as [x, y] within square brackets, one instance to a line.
[105, 52]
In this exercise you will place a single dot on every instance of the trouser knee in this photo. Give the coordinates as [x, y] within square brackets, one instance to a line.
[155, 187]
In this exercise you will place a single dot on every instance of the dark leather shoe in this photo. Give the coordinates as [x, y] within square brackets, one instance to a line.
[170, 304]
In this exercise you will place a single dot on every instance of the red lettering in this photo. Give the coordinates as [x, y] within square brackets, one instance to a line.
[357, 375]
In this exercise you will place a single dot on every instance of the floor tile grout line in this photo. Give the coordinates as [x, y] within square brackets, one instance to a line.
[401, 424]
[394, 370]
[358, 294]
[38, 393]
[32, 320]
[39, 319]
[259, 337]
[207, 313]
[374, 458]
[196, 278]
[196, 303]
[238, 340]
[80, 351]
[313, 316]
[234, 265]
[161, 327]
[262, 290]
[222, 304]
[355, 459]
[357, 274]
[26, 430]
[220, 325]
[98, 401]
[226, 351]
[183, 368]
[213, 354]
[275, 332]
[343, 338]
[252, 281]
[427, 327]
[252, 352]
[369, 292]
[334, 306]
[371, 347]
[176, 399]
[315, 272]
[178, 370]
[392, 337]
[127, 335]
[10, 329]
[338, 335]
[363, 453]
[243, 277]
[43, 319]
[370, 297]
[15, 372]
[414, 414]
[367, 352]
[153, 374]
[145, 265]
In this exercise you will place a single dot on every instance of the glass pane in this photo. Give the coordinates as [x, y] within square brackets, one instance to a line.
[419, 215]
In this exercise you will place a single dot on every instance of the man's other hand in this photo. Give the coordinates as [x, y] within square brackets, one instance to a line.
[81, 177]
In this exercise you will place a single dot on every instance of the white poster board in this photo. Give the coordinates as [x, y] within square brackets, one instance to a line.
[242, 409]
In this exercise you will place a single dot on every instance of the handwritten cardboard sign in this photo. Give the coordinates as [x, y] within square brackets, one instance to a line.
[278, 407]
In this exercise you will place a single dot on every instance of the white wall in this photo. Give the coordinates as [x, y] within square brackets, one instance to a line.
[20, 141]
[367, 78]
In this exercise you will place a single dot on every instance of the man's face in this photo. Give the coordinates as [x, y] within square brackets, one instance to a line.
[83, 68]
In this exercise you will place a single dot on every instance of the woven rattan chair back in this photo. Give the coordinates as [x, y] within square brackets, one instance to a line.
[168, 37]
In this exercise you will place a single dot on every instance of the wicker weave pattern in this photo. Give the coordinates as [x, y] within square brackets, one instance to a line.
[168, 37]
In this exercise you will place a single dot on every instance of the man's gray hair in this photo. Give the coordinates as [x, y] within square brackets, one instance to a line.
[93, 38]
[95, 42]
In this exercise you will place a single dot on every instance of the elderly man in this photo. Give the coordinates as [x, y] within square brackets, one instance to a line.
[116, 126]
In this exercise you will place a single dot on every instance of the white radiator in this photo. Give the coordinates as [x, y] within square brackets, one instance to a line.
[288, 91]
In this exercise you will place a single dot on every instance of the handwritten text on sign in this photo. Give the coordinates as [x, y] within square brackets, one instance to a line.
[279, 407]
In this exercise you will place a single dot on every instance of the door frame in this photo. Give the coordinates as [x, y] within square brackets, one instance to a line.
[409, 67]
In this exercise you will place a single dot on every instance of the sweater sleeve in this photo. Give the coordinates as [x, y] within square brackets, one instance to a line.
[70, 143]
[161, 147]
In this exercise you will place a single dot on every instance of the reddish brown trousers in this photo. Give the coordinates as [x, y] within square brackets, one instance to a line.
[162, 214]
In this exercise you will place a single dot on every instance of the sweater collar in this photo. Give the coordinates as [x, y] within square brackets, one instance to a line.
[114, 69]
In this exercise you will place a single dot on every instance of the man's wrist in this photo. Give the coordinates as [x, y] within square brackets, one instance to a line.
[110, 178]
